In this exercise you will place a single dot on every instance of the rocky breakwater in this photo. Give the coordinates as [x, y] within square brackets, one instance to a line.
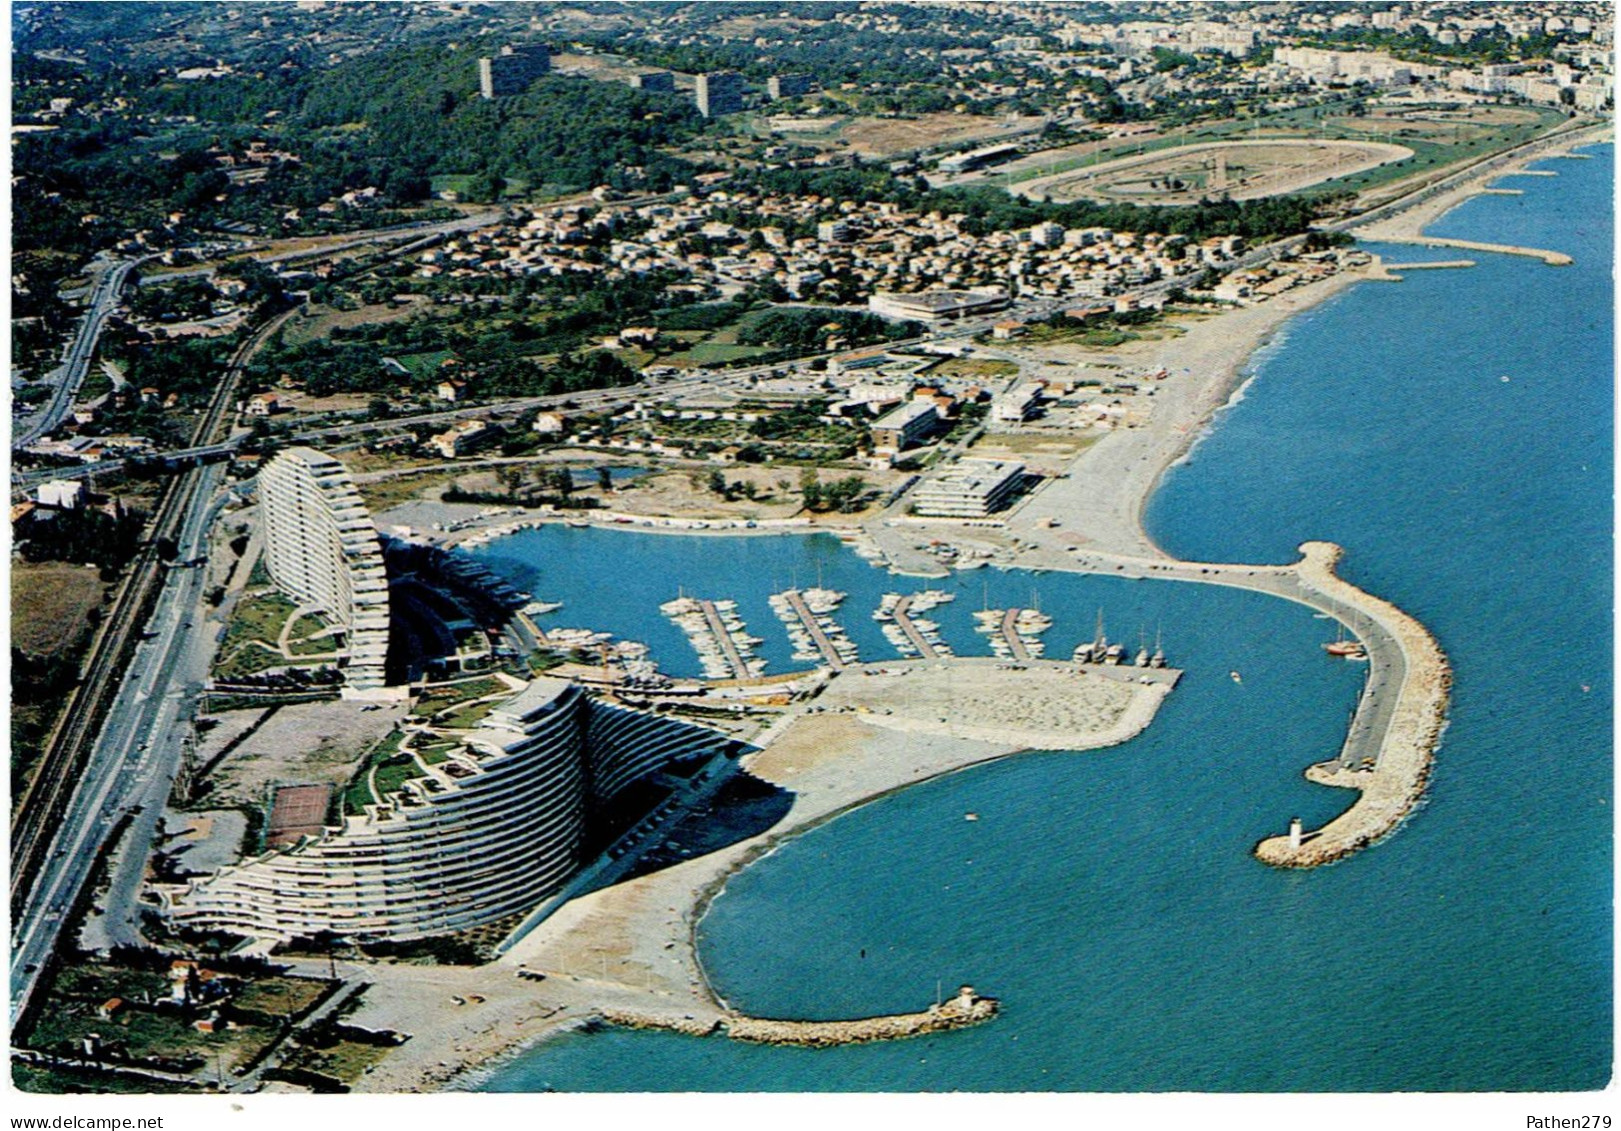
[966, 1008]
[1388, 759]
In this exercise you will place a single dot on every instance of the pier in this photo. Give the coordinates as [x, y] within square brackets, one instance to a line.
[793, 607]
[1015, 633]
[1010, 635]
[719, 636]
[903, 618]
[1393, 736]
[1435, 265]
[1391, 741]
[723, 637]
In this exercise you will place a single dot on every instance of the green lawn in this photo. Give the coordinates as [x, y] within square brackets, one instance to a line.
[466, 717]
[713, 353]
[974, 367]
[445, 695]
[257, 618]
[247, 660]
[357, 795]
[423, 364]
[395, 772]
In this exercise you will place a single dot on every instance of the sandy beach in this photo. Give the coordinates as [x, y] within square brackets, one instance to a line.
[631, 946]
[1101, 499]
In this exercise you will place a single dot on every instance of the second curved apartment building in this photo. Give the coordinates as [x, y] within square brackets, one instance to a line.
[483, 831]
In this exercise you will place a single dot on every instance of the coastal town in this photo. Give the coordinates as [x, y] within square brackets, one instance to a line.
[355, 745]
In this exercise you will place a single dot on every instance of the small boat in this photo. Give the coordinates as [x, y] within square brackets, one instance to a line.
[1346, 649]
[1236, 677]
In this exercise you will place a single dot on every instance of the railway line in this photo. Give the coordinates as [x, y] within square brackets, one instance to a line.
[37, 818]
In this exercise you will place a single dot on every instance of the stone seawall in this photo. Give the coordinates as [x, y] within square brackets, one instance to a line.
[967, 1008]
[1401, 756]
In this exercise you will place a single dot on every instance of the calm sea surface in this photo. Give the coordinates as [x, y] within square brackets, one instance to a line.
[1453, 432]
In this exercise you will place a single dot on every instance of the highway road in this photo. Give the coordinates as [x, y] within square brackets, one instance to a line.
[130, 691]
[103, 300]
[133, 761]
[425, 232]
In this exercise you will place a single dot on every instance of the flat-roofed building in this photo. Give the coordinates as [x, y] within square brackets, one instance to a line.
[975, 159]
[719, 92]
[787, 86]
[323, 551]
[907, 424]
[970, 488]
[513, 69]
[937, 305]
[1017, 405]
[63, 493]
[659, 82]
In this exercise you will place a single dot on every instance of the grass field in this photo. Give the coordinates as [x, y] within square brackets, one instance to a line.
[1094, 337]
[382, 494]
[890, 137]
[258, 618]
[341, 1060]
[714, 352]
[308, 328]
[1242, 169]
[148, 1034]
[279, 997]
[50, 604]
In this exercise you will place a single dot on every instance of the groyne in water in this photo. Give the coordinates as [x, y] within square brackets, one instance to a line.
[1551, 258]
[964, 1009]
[1432, 265]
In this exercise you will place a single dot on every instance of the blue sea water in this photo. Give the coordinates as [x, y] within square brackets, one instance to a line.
[1109, 897]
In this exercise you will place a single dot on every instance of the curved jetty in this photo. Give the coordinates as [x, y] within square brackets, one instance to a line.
[966, 1008]
[1399, 717]
[1398, 723]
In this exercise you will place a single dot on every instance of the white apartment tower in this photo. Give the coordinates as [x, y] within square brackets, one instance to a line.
[323, 551]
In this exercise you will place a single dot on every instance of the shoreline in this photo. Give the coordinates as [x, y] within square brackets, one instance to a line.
[632, 948]
[1231, 354]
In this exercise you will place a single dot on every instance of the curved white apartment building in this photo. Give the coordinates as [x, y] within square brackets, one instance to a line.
[487, 830]
[322, 549]
[483, 834]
